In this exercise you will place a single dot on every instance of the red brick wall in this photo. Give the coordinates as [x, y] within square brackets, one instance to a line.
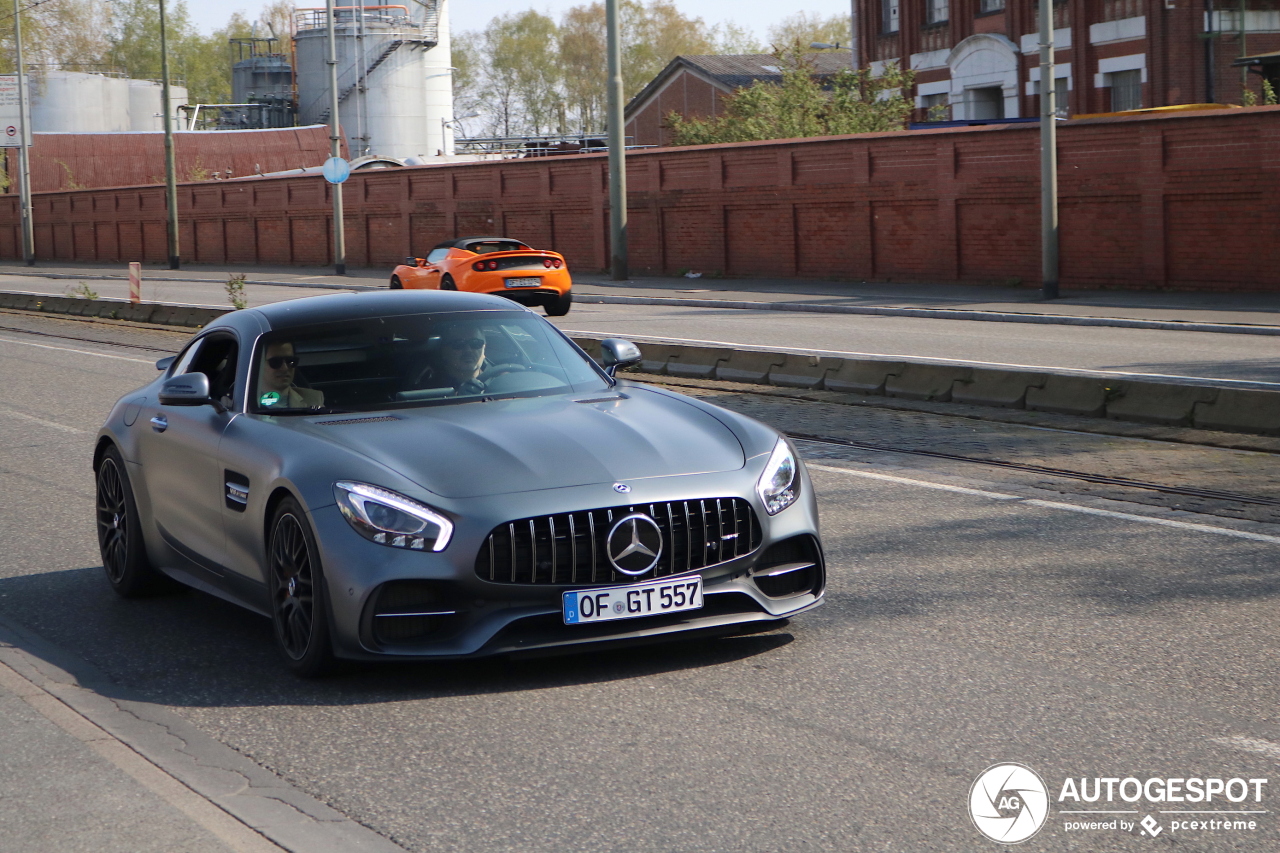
[1185, 201]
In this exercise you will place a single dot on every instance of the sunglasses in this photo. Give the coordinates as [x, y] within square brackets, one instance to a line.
[278, 361]
[465, 343]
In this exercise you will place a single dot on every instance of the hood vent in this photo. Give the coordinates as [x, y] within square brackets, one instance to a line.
[357, 420]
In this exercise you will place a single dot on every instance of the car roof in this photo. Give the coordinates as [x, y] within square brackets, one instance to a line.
[314, 310]
[463, 242]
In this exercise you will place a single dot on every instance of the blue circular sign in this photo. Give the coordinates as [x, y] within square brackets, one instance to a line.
[336, 170]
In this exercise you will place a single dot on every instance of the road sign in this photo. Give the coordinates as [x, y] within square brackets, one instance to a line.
[11, 112]
[336, 170]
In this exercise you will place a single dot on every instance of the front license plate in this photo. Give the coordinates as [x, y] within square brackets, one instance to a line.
[628, 602]
[533, 281]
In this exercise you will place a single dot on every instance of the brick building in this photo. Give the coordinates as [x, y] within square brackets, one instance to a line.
[695, 85]
[980, 58]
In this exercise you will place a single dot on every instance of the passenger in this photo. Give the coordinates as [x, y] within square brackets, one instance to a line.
[275, 383]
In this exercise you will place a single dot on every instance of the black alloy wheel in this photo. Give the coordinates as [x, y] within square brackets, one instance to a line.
[395, 283]
[297, 593]
[124, 556]
[446, 283]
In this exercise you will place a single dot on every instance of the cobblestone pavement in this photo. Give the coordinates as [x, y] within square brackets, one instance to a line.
[1246, 465]
[1163, 462]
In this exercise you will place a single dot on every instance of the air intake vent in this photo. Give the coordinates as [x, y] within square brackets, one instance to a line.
[358, 420]
[569, 548]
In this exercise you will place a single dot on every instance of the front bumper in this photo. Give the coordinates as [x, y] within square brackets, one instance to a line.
[478, 617]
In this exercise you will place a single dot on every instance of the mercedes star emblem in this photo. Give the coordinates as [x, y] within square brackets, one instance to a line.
[634, 544]
[621, 488]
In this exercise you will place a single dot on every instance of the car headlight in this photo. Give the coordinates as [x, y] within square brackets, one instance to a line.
[388, 518]
[779, 484]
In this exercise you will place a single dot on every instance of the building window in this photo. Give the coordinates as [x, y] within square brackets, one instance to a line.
[936, 11]
[1060, 94]
[889, 11]
[985, 6]
[936, 107]
[1126, 90]
[987, 102]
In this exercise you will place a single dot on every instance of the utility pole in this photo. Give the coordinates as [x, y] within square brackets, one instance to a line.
[617, 149]
[170, 170]
[853, 36]
[335, 148]
[1048, 158]
[24, 154]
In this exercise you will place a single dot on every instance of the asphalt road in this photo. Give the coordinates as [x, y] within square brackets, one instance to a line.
[970, 620]
[1143, 351]
[1253, 358]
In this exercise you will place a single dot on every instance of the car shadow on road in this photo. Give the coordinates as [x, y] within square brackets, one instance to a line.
[192, 649]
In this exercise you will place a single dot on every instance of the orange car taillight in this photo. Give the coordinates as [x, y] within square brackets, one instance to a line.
[546, 262]
[557, 263]
[478, 266]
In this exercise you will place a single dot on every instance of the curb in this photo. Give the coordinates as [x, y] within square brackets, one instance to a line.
[1202, 404]
[938, 314]
[256, 797]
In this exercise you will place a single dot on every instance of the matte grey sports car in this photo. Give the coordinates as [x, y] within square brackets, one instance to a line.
[417, 474]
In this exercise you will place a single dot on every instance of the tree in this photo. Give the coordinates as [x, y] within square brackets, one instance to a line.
[522, 73]
[804, 105]
[805, 28]
[582, 49]
[732, 40]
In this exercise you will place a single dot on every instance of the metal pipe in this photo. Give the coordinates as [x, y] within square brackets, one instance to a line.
[170, 168]
[617, 149]
[335, 150]
[24, 154]
[1048, 158]
[853, 35]
[1209, 58]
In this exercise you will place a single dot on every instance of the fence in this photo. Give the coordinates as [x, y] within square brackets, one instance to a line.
[1181, 201]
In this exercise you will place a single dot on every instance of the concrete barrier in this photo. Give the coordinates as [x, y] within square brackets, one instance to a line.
[993, 387]
[926, 381]
[1199, 404]
[1240, 410]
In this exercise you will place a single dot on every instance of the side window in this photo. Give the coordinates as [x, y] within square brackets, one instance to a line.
[183, 364]
[437, 255]
[217, 360]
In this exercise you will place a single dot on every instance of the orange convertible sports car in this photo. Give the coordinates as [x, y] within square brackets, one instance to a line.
[496, 265]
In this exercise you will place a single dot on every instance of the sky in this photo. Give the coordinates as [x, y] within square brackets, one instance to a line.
[757, 15]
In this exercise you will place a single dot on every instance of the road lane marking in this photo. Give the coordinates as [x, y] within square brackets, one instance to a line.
[79, 351]
[942, 487]
[1109, 513]
[16, 414]
[1250, 744]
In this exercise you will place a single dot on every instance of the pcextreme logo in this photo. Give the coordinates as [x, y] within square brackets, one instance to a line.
[1009, 803]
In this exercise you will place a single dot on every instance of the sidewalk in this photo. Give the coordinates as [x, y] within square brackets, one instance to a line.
[203, 284]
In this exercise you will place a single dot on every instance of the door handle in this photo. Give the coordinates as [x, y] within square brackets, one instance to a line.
[159, 423]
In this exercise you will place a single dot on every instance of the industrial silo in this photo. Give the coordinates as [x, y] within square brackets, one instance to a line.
[262, 75]
[394, 79]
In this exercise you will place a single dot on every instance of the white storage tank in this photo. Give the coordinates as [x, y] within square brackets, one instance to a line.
[74, 102]
[394, 80]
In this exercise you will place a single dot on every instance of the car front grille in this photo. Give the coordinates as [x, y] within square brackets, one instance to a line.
[569, 548]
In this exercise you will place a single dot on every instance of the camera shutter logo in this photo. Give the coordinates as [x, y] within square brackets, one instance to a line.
[1009, 803]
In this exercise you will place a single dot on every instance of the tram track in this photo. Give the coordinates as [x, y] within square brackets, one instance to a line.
[1101, 479]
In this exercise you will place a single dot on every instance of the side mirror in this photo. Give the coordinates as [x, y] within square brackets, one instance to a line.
[189, 389]
[616, 354]
[163, 364]
[413, 262]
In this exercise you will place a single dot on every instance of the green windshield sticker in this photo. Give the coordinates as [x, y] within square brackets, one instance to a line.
[270, 398]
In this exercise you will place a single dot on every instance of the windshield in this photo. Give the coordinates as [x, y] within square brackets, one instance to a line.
[416, 360]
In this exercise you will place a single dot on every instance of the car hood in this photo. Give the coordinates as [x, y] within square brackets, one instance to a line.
[517, 445]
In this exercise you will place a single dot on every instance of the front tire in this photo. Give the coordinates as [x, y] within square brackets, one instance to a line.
[299, 610]
[559, 305]
[446, 283]
[395, 283]
[124, 555]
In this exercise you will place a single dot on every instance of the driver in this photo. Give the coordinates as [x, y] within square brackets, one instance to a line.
[275, 382]
[460, 360]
